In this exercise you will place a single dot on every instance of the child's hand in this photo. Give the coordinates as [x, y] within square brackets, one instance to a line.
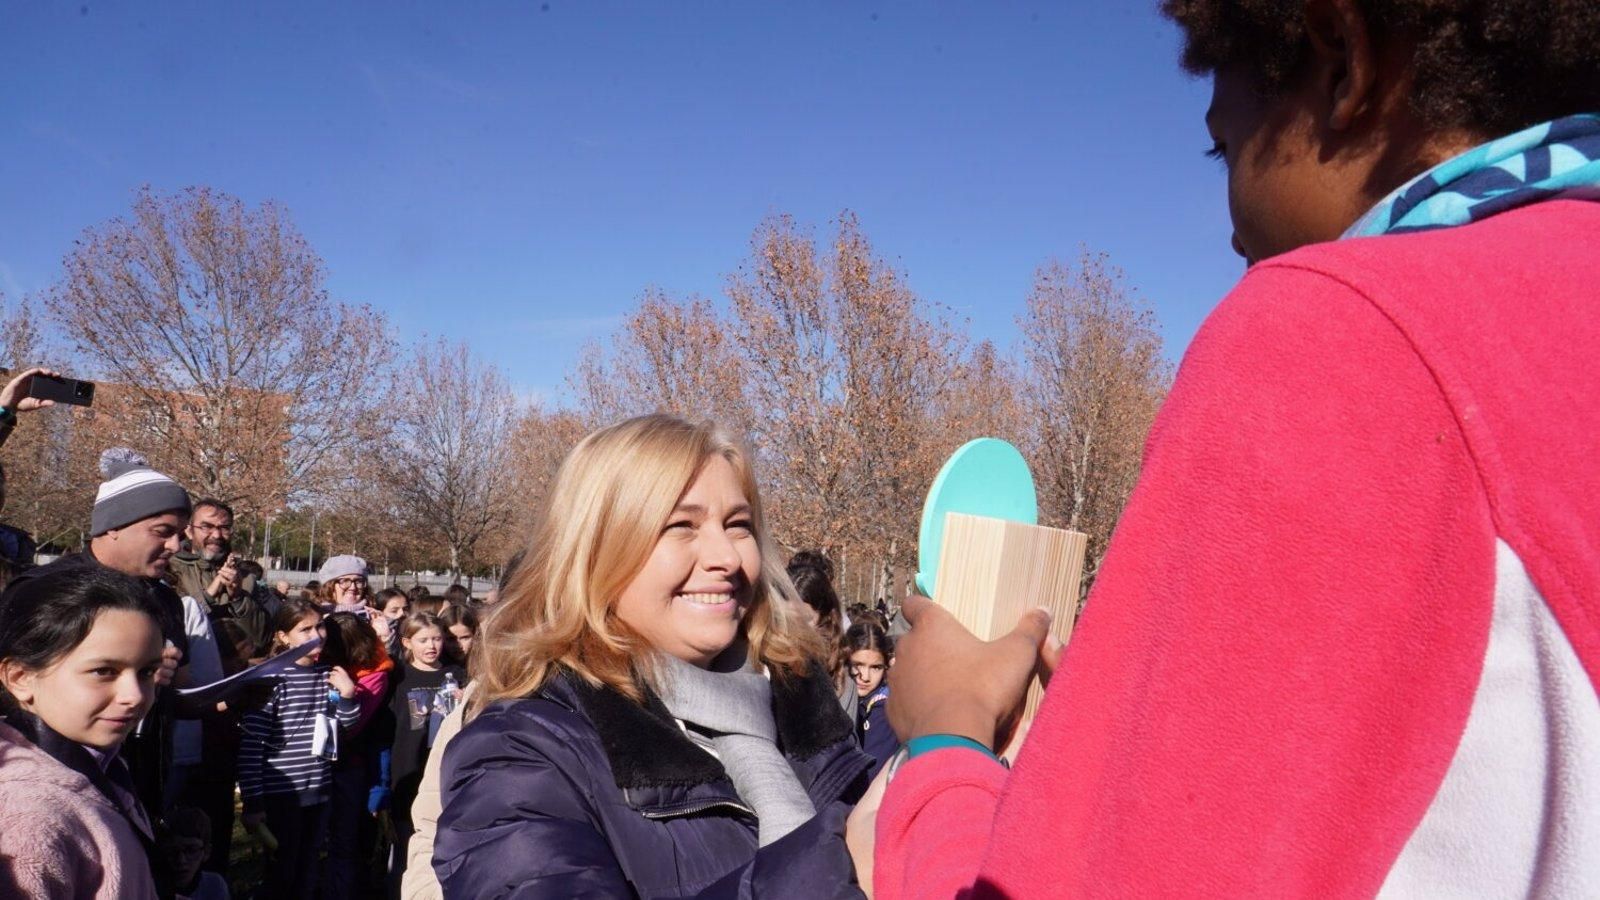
[380, 624]
[339, 680]
[170, 657]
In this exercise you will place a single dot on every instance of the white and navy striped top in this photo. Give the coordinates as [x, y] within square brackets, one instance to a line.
[275, 755]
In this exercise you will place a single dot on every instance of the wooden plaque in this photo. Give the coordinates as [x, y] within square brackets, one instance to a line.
[991, 571]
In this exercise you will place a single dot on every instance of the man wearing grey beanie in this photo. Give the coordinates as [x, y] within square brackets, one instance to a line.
[138, 518]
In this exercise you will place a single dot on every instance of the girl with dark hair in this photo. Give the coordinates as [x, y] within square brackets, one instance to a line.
[814, 585]
[352, 644]
[390, 607]
[812, 576]
[285, 759]
[460, 629]
[1377, 672]
[866, 652]
[79, 652]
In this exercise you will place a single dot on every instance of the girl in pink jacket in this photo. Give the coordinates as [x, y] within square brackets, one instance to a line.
[79, 652]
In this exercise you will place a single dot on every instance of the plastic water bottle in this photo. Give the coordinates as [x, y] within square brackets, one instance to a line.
[444, 700]
[448, 694]
[328, 735]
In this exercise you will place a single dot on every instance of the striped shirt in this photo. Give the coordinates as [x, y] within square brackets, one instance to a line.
[275, 756]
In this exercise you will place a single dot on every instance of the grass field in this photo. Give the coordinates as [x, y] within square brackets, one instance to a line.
[247, 862]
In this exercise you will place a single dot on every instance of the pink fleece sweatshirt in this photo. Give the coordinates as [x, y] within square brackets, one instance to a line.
[1346, 640]
[59, 836]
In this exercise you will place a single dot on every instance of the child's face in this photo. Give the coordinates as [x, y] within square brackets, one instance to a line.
[99, 691]
[463, 636]
[395, 608]
[188, 855]
[425, 646]
[867, 668]
[304, 631]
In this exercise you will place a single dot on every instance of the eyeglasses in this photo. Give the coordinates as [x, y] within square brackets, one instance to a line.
[350, 581]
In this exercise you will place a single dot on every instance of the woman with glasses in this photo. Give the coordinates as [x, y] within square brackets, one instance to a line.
[344, 585]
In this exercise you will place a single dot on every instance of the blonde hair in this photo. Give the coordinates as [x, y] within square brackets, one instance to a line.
[607, 507]
[416, 622]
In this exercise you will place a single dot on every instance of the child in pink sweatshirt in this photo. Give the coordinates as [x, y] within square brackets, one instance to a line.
[1346, 640]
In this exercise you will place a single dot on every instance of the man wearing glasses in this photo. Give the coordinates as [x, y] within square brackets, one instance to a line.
[210, 571]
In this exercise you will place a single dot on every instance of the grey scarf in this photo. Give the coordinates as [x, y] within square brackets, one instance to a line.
[734, 711]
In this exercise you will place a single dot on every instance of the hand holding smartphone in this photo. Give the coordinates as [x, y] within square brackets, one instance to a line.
[55, 388]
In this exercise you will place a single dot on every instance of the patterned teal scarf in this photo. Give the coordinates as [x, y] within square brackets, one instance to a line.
[1560, 158]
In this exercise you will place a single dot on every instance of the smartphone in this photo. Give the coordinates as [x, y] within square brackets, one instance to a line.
[62, 390]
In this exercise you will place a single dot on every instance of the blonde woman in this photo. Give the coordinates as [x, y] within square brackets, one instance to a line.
[651, 719]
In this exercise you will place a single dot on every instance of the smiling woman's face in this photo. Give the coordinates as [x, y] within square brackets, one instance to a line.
[699, 580]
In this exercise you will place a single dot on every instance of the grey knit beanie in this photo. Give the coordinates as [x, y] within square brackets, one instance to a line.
[132, 491]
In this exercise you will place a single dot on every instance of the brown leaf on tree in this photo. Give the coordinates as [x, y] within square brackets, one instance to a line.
[228, 364]
[1095, 378]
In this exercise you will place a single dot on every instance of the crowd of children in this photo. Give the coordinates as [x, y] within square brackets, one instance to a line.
[326, 753]
[331, 757]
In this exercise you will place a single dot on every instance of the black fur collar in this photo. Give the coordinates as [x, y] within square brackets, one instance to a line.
[808, 714]
[642, 742]
[646, 748]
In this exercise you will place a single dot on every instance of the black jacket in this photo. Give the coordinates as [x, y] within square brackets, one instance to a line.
[579, 791]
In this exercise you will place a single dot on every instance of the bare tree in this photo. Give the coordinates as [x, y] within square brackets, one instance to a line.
[845, 366]
[539, 443]
[365, 513]
[48, 474]
[1094, 381]
[853, 390]
[982, 399]
[448, 462]
[241, 376]
[672, 357]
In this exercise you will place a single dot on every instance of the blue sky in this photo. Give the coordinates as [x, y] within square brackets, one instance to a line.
[515, 174]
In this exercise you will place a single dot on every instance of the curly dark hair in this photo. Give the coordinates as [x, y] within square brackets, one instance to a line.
[1490, 67]
[816, 591]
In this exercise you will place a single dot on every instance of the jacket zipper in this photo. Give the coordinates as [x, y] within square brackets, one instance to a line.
[690, 810]
[837, 780]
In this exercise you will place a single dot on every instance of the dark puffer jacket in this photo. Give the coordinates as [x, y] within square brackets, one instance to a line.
[580, 792]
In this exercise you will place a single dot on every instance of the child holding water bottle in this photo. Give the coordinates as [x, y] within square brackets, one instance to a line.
[426, 689]
[286, 756]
